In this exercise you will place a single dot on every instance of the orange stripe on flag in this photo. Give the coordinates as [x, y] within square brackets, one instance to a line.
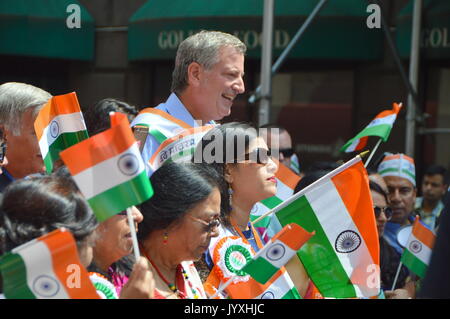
[353, 188]
[286, 176]
[293, 235]
[64, 254]
[57, 105]
[100, 147]
[166, 116]
[423, 234]
[395, 109]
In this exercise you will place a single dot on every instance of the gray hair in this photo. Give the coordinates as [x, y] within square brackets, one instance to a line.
[203, 48]
[16, 99]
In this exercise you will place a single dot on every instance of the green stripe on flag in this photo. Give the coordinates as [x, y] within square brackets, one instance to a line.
[381, 130]
[260, 269]
[271, 202]
[14, 273]
[414, 264]
[159, 137]
[265, 222]
[292, 294]
[121, 197]
[63, 141]
[317, 254]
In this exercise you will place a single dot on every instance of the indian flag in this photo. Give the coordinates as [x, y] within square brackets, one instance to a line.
[340, 258]
[59, 125]
[46, 268]
[276, 253]
[109, 169]
[380, 126]
[286, 182]
[417, 253]
[179, 148]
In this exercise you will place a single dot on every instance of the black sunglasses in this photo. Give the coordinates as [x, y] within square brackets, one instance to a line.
[259, 155]
[387, 211]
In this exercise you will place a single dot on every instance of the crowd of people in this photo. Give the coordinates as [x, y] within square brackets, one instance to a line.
[195, 206]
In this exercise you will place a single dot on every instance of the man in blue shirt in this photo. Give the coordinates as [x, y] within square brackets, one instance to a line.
[208, 75]
[398, 171]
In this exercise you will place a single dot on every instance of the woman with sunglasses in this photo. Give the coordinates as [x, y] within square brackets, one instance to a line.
[179, 221]
[389, 259]
[244, 161]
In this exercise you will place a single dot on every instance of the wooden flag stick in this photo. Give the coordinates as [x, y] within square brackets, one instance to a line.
[133, 234]
[373, 153]
[396, 275]
[223, 287]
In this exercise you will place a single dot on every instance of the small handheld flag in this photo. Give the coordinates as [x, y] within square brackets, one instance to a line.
[277, 252]
[59, 125]
[46, 268]
[380, 126]
[109, 169]
[417, 253]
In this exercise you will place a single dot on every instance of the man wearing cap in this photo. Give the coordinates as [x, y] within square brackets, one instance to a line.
[398, 171]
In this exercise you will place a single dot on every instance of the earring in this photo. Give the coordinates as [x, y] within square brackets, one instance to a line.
[165, 238]
[230, 195]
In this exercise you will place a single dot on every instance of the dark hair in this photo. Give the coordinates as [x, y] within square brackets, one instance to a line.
[30, 208]
[437, 170]
[230, 134]
[309, 178]
[273, 125]
[378, 189]
[178, 187]
[97, 117]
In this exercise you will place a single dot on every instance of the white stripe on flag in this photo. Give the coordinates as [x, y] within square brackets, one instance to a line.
[186, 143]
[281, 256]
[335, 220]
[280, 287]
[110, 173]
[390, 119]
[283, 191]
[64, 123]
[419, 249]
[41, 278]
[353, 146]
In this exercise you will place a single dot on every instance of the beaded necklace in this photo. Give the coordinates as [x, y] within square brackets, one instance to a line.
[172, 286]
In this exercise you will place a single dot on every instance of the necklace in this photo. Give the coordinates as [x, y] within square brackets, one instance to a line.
[172, 286]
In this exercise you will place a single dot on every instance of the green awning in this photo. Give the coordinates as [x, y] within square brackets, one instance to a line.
[435, 36]
[38, 28]
[339, 32]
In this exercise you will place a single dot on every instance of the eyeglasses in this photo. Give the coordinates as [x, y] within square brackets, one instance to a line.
[287, 152]
[261, 155]
[209, 227]
[387, 211]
